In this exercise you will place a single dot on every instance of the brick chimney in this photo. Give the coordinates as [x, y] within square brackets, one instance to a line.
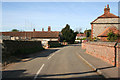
[42, 29]
[106, 10]
[33, 30]
[49, 28]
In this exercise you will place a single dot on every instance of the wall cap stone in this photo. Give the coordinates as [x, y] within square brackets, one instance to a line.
[109, 44]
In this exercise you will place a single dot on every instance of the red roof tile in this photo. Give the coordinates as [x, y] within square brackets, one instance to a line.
[108, 15]
[38, 34]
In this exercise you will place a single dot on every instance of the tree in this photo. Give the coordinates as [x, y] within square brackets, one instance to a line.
[15, 30]
[68, 34]
[79, 30]
[111, 36]
[87, 32]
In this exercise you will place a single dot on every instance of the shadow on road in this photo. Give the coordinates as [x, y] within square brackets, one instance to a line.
[21, 75]
[72, 74]
[74, 45]
[44, 53]
[105, 67]
[10, 73]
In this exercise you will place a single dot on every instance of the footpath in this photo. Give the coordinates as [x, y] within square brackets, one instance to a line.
[102, 67]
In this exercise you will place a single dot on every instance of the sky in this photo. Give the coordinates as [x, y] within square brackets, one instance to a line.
[25, 16]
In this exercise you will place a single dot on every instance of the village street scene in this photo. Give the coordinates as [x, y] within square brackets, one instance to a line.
[60, 41]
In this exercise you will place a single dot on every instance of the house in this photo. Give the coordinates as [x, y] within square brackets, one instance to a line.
[103, 22]
[79, 37]
[43, 36]
[103, 36]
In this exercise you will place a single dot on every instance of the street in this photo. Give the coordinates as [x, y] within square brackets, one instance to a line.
[63, 62]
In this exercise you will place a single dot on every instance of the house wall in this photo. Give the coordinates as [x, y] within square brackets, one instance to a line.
[99, 28]
[107, 20]
[103, 50]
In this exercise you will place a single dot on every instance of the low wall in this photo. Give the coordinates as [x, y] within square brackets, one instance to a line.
[19, 49]
[103, 50]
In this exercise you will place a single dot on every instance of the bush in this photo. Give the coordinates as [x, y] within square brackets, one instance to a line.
[111, 36]
[53, 44]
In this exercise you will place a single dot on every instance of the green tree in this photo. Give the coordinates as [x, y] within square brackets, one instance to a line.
[111, 36]
[15, 30]
[88, 33]
[68, 34]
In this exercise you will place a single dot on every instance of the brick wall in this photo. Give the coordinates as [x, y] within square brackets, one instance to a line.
[103, 50]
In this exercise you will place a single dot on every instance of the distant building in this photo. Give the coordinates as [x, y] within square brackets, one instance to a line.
[103, 22]
[43, 36]
[79, 37]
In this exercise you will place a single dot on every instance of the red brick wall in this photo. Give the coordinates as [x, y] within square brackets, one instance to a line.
[102, 50]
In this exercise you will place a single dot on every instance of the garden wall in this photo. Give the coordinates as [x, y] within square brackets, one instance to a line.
[107, 51]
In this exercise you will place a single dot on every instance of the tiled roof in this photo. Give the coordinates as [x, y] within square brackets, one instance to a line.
[38, 34]
[108, 15]
[104, 34]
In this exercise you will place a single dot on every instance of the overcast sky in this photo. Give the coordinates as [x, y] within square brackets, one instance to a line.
[28, 15]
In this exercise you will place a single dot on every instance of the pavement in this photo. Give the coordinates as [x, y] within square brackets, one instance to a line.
[102, 67]
[70, 62]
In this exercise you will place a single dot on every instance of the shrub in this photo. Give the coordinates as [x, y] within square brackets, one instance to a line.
[111, 36]
[54, 44]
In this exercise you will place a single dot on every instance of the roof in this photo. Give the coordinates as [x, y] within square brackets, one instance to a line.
[79, 35]
[34, 34]
[106, 14]
[104, 33]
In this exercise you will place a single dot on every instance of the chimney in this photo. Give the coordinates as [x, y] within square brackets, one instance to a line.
[42, 29]
[33, 30]
[49, 28]
[106, 10]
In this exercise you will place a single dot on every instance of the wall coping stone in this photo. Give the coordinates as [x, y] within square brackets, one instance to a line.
[109, 44]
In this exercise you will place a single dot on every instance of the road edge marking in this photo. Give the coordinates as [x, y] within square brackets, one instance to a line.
[98, 71]
[51, 56]
[86, 62]
[38, 71]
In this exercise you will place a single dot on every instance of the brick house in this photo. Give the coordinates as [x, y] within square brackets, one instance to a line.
[103, 22]
[43, 36]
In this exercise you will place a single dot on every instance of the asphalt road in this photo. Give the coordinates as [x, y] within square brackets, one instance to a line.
[53, 63]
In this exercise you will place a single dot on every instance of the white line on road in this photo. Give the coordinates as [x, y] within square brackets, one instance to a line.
[38, 71]
[51, 56]
[86, 61]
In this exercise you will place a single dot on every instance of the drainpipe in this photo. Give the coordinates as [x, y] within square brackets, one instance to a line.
[115, 59]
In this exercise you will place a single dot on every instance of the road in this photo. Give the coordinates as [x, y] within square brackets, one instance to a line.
[54, 63]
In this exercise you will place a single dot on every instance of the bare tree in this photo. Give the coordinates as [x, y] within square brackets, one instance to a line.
[79, 30]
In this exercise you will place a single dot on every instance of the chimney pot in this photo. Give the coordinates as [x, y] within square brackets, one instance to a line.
[49, 28]
[107, 10]
[108, 6]
[33, 30]
[42, 29]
